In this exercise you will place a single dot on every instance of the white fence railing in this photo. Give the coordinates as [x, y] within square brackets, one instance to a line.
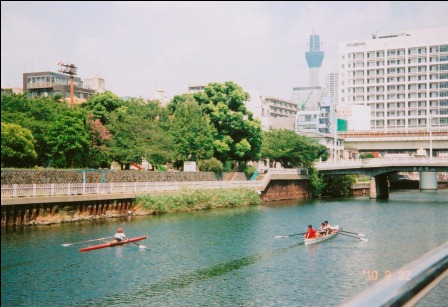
[64, 189]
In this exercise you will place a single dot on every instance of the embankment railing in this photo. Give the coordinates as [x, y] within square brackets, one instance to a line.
[63, 189]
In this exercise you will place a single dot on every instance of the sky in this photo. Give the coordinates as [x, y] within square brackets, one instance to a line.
[137, 47]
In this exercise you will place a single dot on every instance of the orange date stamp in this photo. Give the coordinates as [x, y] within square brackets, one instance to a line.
[386, 275]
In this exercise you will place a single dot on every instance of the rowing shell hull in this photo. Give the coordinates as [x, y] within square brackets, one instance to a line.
[323, 238]
[109, 244]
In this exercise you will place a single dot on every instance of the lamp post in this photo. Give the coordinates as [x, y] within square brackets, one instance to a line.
[69, 69]
[430, 137]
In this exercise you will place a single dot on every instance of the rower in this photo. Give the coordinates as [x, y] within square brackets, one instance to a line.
[322, 230]
[328, 227]
[119, 236]
[310, 233]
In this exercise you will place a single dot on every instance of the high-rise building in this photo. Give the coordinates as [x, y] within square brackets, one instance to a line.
[333, 86]
[403, 77]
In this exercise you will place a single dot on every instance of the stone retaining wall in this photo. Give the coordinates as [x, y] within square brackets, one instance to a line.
[95, 176]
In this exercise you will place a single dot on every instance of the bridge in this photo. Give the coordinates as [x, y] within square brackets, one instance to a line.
[378, 170]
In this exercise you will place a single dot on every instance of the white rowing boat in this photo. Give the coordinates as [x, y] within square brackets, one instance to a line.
[335, 230]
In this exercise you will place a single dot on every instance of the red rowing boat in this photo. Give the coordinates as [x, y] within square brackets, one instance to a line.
[111, 244]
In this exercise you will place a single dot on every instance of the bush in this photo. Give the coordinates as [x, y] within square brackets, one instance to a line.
[366, 155]
[211, 165]
[162, 168]
[249, 170]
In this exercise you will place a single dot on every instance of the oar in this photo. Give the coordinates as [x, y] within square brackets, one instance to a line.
[70, 244]
[344, 234]
[355, 233]
[287, 236]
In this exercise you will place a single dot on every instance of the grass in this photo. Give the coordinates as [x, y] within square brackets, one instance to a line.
[192, 200]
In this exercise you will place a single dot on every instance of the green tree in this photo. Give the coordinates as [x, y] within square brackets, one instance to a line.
[292, 150]
[69, 141]
[317, 183]
[102, 104]
[176, 101]
[192, 132]
[17, 146]
[99, 139]
[138, 134]
[35, 114]
[239, 135]
[338, 185]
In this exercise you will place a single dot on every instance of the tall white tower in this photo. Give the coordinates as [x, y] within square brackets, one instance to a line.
[314, 58]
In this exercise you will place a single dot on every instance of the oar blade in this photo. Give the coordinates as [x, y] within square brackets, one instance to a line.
[99, 239]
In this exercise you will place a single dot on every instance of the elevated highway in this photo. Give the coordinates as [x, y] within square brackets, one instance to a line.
[397, 141]
[378, 170]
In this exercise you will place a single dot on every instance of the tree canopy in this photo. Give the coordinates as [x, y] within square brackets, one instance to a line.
[192, 132]
[292, 150]
[17, 146]
[238, 133]
[213, 123]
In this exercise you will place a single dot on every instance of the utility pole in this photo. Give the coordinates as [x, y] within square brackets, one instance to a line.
[69, 69]
[430, 137]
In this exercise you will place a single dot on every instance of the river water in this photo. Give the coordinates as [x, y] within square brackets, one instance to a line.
[226, 257]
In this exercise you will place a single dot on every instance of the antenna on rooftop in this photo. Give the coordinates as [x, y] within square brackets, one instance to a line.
[69, 69]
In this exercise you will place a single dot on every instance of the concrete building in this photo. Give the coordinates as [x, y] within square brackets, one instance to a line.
[335, 145]
[160, 95]
[357, 117]
[273, 112]
[196, 88]
[95, 83]
[323, 120]
[47, 83]
[307, 97]
[12, 90]
[402, 77]
[332, 86]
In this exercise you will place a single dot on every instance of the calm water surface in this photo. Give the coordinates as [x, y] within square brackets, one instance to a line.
[226, 257]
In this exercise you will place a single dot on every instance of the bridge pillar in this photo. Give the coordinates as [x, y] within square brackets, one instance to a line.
[382, 187]
[379, 187]
[428, 181]
[372, 188]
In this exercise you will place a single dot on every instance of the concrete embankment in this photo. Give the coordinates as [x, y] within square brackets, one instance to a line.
[70, 208]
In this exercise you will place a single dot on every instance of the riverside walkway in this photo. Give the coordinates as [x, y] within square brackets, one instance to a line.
[17, 194]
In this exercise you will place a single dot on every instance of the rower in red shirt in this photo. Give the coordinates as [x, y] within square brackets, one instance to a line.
[310, 233]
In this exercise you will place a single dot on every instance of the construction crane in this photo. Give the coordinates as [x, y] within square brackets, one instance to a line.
[302, 106]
